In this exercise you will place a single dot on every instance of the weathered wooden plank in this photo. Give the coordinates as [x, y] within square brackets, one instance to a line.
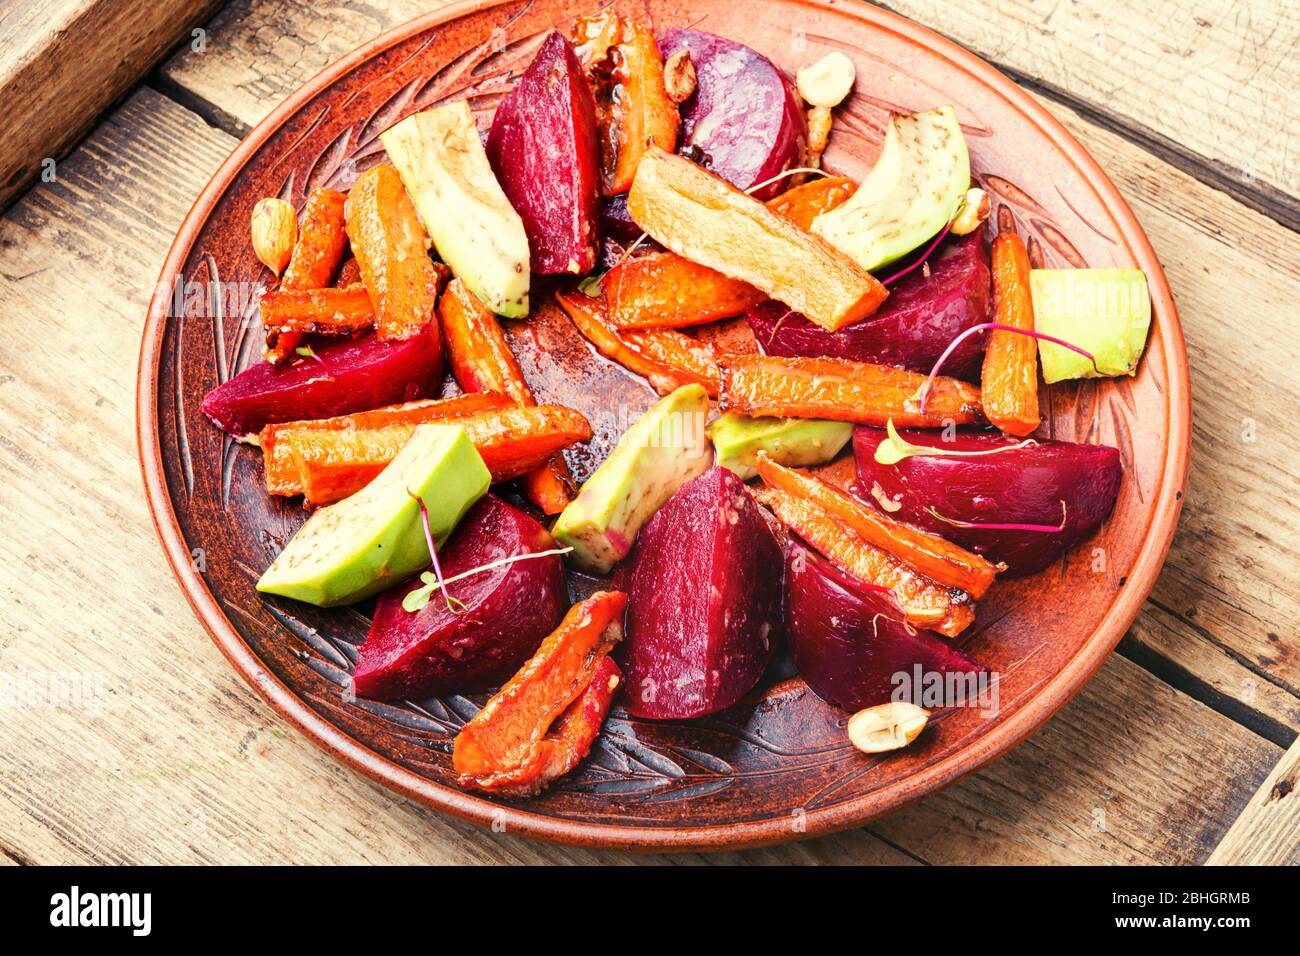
[1131, 771]
[1202, 81]
[1268, 832]
[1231, 586]
[259, 52]
[62, 62]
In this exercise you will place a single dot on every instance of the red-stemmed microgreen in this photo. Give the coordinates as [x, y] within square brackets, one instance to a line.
[924, 256]
[1045, 528]
[923, 392]
[895, 448]
[417, 599]
[433, 557]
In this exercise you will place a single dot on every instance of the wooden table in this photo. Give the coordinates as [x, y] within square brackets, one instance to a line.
[1181, 750]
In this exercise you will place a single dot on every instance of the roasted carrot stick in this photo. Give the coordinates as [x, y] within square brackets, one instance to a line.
[667, 358]
[664, 290]
[626, 70]
[322, 236]
[324, 311]
[937, 558]
[926, 604]
[481, 361]
[804, 203]
[512, 441]
[842, 390]
[504, 748]
[1009, 380]
[707, 220]
[282, 473]
[392, 252]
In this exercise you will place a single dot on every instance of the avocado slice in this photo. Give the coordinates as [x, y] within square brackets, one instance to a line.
[738, 439]
[910, 194]
[475, 229]
[664, 448]
[373, 539]
[1103, 311]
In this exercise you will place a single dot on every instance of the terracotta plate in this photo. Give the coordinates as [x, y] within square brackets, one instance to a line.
[778, 766]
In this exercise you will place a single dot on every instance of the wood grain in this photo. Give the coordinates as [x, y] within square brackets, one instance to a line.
[62, 62]
[1204, 82]
[1268, 830]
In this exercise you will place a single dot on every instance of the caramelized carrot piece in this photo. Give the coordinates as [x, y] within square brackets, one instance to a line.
[669, 359]
[842, 390]
[926, 604]
[324, 311]
[663, 290]
[392, 252]
[481, 361]
[1009, 380]
[645, 115]
[705, 219]
[937, 558]
[282, 473]
[505, 748]
[804, 203]
[512, 441]
[322, 236]
[626, 71]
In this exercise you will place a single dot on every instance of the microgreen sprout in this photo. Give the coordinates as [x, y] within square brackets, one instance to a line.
[433, 556]
[1045, 528]
[923, 392]
[895, 448]
[417, 599]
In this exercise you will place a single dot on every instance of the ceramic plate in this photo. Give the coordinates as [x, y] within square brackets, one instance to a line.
[778, 766]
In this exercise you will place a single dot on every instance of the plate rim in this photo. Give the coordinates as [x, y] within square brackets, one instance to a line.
[516, 818]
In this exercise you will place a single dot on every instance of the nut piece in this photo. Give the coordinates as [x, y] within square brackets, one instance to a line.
[819, 133]
[827, 81]
[975, 208]
[887, 726]
[275, 230]
[679, 76]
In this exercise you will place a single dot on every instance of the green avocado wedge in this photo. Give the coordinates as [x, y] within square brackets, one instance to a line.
[910, 194]
[738, 439]
[375, 538]
[664, 448]
[477, 232]
[1106, 312]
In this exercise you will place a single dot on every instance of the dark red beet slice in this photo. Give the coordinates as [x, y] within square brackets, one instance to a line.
[745, 115]
[508, 611]
[544, 150]
[1023, 486]
[849, 639]
[350, 376]
[921, 317]
[704, 601]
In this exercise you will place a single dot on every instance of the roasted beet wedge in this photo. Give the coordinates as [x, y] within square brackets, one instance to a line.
[507, 611]
[1020, 486]
[921, 317]
[544, 150]
[745, 115]
[704, 601]
[344, 377]
[849, 639]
